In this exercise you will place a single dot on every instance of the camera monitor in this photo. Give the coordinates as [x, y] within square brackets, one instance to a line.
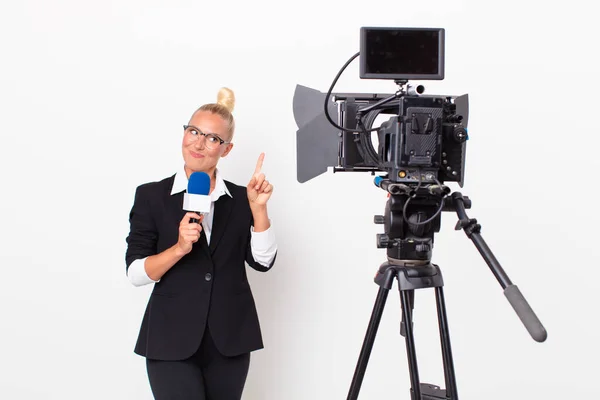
[402, 53]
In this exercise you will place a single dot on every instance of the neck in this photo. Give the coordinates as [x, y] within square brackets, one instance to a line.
[212, 172]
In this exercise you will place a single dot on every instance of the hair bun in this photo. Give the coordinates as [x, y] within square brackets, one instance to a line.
[226, 98]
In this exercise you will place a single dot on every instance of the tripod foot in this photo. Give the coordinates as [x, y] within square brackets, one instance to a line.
[432, 392]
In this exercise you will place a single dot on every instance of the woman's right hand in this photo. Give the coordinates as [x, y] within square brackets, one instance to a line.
[189, 233]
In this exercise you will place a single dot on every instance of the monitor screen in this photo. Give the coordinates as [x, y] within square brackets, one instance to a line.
[402, 53]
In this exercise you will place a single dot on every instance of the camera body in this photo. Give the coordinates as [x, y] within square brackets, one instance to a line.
[423, 141]
[430, 138]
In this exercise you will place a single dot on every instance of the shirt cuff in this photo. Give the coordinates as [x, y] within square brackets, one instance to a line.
[137, 273]
[263, 245]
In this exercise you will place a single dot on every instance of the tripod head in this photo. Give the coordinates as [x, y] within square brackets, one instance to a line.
[413, 215]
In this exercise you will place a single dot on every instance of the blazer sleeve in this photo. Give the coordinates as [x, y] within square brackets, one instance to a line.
[143, 235]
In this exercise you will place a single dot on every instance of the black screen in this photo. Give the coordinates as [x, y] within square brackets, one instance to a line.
[402, 53]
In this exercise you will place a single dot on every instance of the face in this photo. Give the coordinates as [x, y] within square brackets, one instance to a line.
[196, 155]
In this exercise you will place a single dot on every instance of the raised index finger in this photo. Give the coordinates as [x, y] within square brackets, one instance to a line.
[259, 163]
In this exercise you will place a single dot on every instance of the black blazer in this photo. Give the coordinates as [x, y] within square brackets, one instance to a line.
[208, 286]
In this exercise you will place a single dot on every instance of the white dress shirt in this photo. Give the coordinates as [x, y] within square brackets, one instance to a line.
[262, 244]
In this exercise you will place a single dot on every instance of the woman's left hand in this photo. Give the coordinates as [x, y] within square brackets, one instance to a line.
[259, 189]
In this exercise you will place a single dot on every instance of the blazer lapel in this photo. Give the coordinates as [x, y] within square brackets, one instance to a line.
[223, 208]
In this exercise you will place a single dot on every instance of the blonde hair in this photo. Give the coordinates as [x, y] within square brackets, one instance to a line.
[223, 108]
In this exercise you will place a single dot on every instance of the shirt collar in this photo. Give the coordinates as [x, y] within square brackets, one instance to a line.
[181, 181]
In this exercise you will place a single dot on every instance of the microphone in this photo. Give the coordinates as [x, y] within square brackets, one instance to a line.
[196, 199]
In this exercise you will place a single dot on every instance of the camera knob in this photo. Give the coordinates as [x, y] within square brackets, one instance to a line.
[460, 134]
[383, 241]
[422, 248]
[378, 219]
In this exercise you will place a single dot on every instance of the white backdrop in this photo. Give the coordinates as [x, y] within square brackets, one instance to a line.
[92, 98]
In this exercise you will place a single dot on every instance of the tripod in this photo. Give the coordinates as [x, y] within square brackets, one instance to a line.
[417, 272]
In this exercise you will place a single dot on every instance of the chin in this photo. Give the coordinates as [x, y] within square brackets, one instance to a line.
[196, 165]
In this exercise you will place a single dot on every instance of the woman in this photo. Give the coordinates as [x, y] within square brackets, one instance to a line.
[201, 323]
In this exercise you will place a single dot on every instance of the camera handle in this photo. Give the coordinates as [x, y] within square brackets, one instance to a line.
[473, 231]
[410, 90]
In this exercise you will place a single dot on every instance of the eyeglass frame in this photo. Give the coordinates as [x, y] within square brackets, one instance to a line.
[221, 141]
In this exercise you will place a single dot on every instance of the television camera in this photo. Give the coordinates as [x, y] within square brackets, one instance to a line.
[420, 148]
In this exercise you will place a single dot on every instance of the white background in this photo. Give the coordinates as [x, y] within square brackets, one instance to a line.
[92, 98]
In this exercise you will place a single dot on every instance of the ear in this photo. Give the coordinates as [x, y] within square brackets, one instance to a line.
[227, 150]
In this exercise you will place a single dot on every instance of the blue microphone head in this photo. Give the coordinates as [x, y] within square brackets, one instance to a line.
[199, 183]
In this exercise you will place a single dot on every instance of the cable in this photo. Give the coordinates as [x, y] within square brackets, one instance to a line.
[331, 90]
[414, 194]
[363, 139]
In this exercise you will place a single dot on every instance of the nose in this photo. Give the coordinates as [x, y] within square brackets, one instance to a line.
[199, 143]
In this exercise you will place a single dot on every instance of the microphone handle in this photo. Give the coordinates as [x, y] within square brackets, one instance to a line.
[195, 220]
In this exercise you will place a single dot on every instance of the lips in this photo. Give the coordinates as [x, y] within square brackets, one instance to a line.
[196, 155]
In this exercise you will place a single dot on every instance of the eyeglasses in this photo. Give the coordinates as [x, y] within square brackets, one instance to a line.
[211, 141]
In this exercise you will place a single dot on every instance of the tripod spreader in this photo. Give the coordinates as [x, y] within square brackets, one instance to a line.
[473, 231]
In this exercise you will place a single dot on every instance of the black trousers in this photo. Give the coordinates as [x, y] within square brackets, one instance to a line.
[207, 375]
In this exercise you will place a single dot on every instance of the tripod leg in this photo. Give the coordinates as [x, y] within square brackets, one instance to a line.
[367, 346]
[451, 390]
[411, 302]
[410, 343]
